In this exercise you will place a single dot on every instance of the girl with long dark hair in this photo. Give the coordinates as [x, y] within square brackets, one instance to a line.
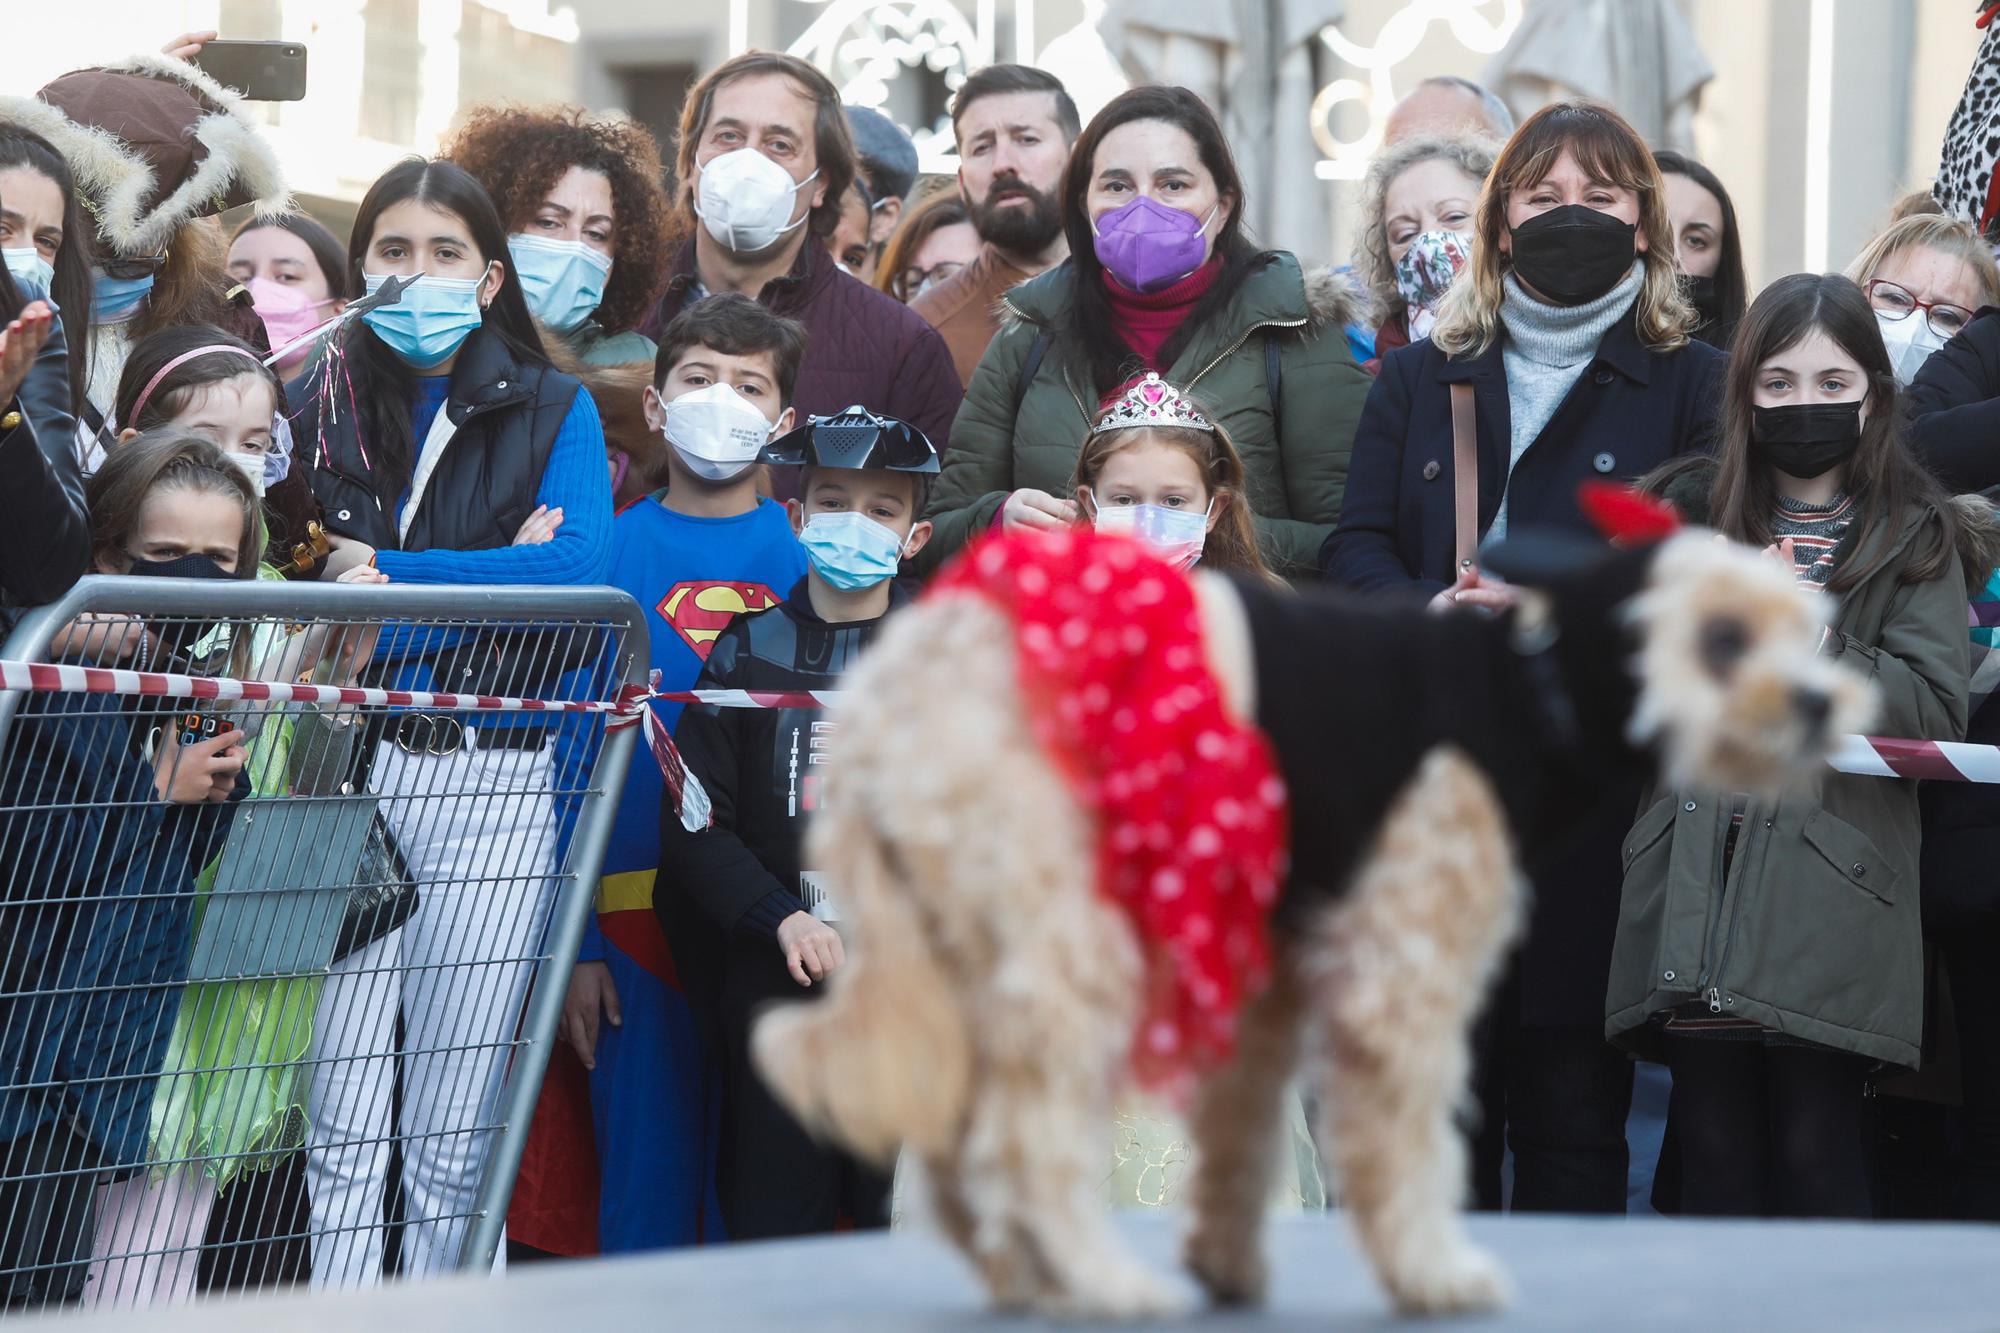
[432, 429]
[1161, 276]
[1708, 244]
[1771, 952]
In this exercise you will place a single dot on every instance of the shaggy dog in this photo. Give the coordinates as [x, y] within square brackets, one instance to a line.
[986, 1016]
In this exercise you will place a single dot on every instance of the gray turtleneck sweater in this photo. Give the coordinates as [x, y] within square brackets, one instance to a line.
[1546, 348]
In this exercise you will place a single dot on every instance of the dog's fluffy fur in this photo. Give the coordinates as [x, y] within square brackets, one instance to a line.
[985, 1014]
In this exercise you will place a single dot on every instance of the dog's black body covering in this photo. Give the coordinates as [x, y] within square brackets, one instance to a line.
[1354, 694]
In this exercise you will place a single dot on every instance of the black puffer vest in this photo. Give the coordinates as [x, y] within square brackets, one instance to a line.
[508, 415]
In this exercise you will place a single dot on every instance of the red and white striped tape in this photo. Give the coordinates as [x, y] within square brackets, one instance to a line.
[1940, 761]
[631, 706]
[1868, 756]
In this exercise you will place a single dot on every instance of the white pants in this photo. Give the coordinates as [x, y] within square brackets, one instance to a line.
[477, 829]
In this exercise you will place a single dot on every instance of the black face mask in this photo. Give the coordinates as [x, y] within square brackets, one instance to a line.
[190, 566]
[175, 637]
[1700, 293]
[1805, 439]
[1574, 253]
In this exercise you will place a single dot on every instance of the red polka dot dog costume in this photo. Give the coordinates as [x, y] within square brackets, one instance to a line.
[1091, 818]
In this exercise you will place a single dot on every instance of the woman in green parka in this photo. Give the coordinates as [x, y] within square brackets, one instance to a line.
[1771, 952]
[1160, 277]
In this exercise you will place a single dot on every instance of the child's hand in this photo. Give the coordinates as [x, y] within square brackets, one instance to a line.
[363, 574]
[99, 637]
[1028, 508]
[812, 948]
[540, 527]
[590, 990]
[204, 771]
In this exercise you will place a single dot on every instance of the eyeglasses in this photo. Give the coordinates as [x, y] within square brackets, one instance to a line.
[1898, 303]
[145, 266]
[913, 279]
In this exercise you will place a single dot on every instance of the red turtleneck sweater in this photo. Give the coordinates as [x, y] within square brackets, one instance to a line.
[1148, 319]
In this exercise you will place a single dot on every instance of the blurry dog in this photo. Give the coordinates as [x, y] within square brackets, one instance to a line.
[988, 1007]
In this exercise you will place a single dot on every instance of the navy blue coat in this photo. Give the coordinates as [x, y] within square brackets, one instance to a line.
[1629, 411]
[97, 910]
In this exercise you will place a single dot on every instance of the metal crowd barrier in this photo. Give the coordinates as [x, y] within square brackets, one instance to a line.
[288, 1025]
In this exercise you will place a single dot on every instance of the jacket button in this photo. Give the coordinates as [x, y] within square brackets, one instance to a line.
[1431, 470]
[500, 384]
[1604, 462]
[1689, 806]
[1860, 871]
[1602, 377]
[1668, 974]
[344, 516]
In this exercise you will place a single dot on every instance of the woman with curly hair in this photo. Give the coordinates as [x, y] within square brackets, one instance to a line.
[586, 218]
[1416, 230]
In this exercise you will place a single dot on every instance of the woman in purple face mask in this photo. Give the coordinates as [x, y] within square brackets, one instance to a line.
[296, 271]
[1162, 277]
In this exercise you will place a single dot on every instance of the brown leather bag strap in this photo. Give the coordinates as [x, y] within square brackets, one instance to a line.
[1465, 475]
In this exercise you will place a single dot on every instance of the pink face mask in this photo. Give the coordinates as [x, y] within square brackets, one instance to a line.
[285, 311]
[1148, 245]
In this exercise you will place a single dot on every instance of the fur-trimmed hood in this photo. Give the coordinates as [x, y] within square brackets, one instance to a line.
[153, 143]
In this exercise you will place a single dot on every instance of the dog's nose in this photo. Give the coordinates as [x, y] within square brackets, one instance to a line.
[1813, 707]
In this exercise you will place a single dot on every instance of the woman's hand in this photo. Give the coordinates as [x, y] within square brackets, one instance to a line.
[203, 771]
[188, 45]
[1476, 592]
[540, 527]
[363, 574]
[1028, 508]
[20, 341]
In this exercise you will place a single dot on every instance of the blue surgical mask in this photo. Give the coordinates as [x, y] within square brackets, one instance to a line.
[28, 266]
[851, 551]
[114, 300]
[563, 280]
[432, 320]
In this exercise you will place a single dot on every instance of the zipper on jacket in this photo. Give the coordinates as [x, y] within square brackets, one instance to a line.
[1231, 350]
[1726, 917]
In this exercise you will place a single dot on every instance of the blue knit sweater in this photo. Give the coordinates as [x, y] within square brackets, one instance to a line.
[576, 480]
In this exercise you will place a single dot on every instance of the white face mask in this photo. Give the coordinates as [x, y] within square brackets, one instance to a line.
[1175, 535]
[252, 467]
[716, 432]
[1910, 341]
[746, 200]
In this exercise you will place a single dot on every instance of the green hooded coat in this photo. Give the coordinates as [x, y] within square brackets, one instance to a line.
[1815, 930]
[1296, 466]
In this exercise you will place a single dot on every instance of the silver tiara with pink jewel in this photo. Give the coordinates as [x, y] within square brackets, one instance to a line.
[1151, 401]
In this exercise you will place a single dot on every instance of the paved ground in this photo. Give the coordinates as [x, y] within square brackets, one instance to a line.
[1625, 1275]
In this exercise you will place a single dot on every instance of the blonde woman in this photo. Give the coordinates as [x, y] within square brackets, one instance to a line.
[1570, 328]
[1416, 230]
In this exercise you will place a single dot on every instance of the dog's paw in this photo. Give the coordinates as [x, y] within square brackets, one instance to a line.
[1122, 1291]
[1230, 1268]
[1458, 1279]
